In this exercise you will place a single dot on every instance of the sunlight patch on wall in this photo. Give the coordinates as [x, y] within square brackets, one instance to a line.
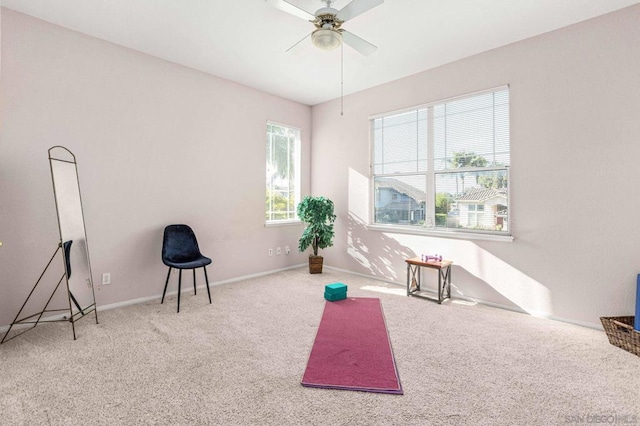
[374, 251]
[356, 255]
[513, 284]
[358, 195]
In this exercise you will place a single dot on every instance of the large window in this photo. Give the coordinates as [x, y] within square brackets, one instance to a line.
[283, 172]
[444, 166]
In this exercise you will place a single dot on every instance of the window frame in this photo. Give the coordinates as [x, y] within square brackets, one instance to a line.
[430, 180]
[298, 175]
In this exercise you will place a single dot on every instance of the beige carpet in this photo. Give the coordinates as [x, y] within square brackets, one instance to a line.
[240, 362]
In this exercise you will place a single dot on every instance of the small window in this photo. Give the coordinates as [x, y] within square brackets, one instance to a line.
[283, 173]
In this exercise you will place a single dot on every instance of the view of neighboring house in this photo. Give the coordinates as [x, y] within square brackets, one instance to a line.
[400, 202]
[477, 208]
[483, 208]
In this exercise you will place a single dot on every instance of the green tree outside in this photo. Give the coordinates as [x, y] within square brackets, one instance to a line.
[462, 159]
[495, 182]
[443, 203]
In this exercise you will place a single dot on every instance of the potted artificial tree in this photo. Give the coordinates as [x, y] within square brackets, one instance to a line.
[317, 213]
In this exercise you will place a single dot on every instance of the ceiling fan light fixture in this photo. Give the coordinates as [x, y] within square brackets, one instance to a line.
[326, 39]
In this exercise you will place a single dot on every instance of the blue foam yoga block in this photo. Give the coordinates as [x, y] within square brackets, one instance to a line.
[335, 288]
[335, 296]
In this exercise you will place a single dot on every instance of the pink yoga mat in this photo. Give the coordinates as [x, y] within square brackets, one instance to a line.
[352, 350]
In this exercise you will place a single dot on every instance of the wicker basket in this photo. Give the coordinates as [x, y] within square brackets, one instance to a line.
[621, 333]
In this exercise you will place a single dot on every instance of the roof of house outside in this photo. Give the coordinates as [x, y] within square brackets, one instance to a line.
[482, 194]
[402, 188]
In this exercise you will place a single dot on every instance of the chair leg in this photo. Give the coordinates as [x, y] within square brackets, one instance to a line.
[206, 278]
[179, 287]
[194, 281]
[165, 285]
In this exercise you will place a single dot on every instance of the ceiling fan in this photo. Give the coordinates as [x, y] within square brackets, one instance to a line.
[328, 34]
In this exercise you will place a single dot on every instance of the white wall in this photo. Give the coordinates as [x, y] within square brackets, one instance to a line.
[0, 37]
[156, 144]
[575, 144]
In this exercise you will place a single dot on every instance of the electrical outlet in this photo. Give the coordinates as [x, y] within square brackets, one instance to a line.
[106, 278]
[88, 281]
[279, 251]
[287, 250]
[270, 252]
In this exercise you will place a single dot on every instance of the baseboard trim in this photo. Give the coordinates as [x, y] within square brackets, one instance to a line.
[187, 288]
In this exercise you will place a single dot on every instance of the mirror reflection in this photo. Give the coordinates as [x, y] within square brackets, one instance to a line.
[72, 228]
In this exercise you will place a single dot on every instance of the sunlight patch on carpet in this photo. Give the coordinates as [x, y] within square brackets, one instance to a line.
[385, 290]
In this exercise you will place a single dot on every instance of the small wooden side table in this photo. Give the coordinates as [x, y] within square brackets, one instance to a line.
[414, 277]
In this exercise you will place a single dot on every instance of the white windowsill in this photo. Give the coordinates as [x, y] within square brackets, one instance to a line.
[440, 234]
[274, 224]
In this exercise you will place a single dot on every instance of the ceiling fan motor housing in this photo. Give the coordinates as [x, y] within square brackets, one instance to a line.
[326, 11]
[326, 18]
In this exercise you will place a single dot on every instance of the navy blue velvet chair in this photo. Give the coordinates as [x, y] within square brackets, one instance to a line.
[180, 250]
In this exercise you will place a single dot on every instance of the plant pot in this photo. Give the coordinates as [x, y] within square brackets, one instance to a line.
[315, 264]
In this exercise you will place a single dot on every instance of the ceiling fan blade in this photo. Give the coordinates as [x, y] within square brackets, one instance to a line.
[292, 9]
[296, 48]
[358, 43]
[357, 7]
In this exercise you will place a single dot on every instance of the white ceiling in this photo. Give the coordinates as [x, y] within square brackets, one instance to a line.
[245, 40]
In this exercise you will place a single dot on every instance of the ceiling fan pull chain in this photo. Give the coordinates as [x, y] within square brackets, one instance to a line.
[342, 79]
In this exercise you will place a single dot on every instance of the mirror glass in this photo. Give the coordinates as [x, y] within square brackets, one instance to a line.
[64, 173]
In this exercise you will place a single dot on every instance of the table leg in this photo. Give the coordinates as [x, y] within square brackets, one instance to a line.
[408, 279]
[440, 288]
[413, 283]
[444, 277]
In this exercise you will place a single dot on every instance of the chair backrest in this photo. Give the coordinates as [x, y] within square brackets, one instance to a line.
[67, 257]
[179, 244]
